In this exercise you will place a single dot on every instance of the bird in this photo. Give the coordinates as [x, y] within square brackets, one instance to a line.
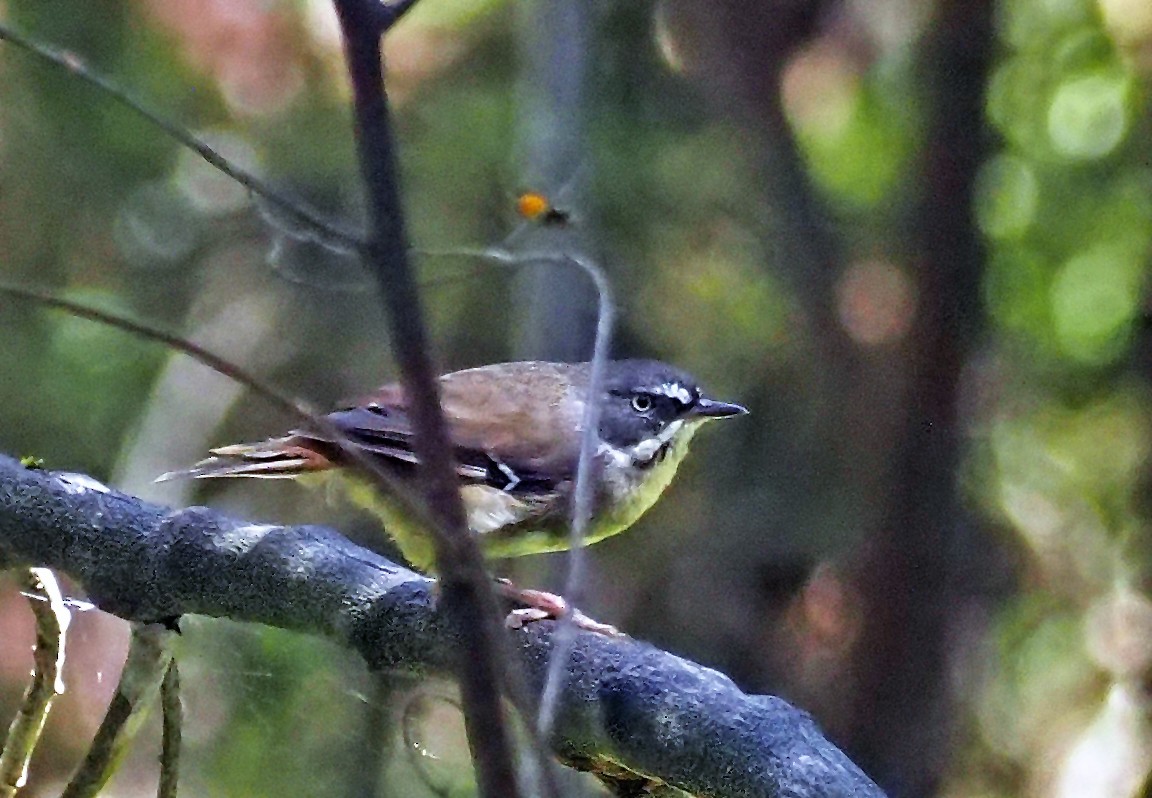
[515, 429]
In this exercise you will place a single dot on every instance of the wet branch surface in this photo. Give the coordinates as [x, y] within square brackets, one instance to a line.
[625, 707]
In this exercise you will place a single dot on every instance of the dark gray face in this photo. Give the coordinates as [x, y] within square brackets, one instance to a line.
[642, 396]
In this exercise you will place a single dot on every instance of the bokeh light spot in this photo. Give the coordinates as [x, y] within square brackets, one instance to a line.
[1026, 21]
[1014, 105]
[821, 90]
[1095, 297]
[876, 302]
[1088, 116]
[666, 41]
[1130, 21]
[1118, 632]
[155, 227]
[854, 135]
[1111, 755]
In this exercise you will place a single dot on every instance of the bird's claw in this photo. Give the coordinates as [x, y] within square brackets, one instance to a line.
[542, 606]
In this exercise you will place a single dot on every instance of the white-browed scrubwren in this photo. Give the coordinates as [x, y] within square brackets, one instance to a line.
[515, 431]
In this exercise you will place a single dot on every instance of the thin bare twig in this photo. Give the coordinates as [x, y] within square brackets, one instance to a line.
[584, 495]
[320, 229]
[149, 654]
[265, 390]
[52, 619]
[590, 424]
[218, 364]
[464, 580]
[172, 737]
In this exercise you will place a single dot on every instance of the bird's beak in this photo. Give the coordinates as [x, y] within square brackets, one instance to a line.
[712, 408]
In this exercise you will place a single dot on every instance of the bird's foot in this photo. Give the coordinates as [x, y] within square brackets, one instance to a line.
[541, 606]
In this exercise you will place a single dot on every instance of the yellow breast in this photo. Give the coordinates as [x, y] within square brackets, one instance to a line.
[634, 491]
[410, 535]
[513, 527]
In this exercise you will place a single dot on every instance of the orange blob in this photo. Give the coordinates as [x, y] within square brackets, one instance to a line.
[532, 206]
[535, 207]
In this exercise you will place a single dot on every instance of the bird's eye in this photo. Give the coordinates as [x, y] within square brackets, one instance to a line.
[641, 403]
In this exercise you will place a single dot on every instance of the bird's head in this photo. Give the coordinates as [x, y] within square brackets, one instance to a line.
[650, 406]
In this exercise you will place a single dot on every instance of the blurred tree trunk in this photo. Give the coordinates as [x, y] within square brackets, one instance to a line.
[892, 412]
[902, 723]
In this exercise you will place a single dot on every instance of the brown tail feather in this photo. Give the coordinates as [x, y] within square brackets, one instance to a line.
[279, 458]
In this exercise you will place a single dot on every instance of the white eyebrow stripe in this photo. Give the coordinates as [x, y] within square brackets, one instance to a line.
[674, 390]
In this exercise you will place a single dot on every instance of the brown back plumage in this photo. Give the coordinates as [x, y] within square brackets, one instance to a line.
[517, 409]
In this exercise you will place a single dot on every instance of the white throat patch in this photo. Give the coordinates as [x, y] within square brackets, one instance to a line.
[633, 477]
[646, 449]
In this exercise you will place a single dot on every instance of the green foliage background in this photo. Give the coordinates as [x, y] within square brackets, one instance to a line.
[762, 561]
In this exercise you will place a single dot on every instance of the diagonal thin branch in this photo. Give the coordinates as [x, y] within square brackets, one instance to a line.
[464, 581]
[265, 390]
[305, 218]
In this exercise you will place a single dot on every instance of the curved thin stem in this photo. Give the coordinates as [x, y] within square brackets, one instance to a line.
[319, 229]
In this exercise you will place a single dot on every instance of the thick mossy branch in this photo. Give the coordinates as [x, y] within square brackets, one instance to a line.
[623, 705]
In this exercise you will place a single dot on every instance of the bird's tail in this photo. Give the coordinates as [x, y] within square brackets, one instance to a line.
[276, 458]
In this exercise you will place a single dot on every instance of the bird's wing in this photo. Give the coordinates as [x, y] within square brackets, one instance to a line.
[528, 412]
[511, 424]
